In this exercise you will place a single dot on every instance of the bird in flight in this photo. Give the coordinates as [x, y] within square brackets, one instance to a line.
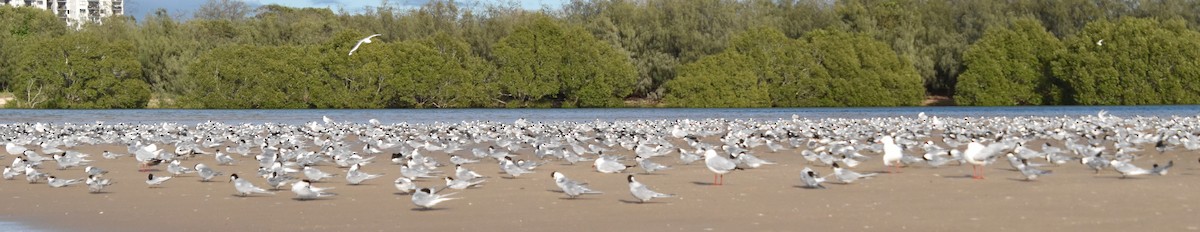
[361, 42]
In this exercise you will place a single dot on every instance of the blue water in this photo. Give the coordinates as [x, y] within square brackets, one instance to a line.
[545, 115]
[13, 226]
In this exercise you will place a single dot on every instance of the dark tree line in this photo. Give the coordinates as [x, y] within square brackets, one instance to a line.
[604, 53]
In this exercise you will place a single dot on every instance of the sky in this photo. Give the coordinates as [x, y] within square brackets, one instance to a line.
[184, 8]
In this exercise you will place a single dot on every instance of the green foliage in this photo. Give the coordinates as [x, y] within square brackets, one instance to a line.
[544, 61]
[604, 53]
[1141, 61]
[722, 80]
[79, 70]
[862, 71]
[1010, 65]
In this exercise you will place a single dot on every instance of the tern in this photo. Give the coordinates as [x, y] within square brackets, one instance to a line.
[847, 176]
[642, 193]
[156, 181]
[354, 176]
[97, 184]
[461, 184]
[314, 174]
[570, 187]
[244, 187]
[305, 191]
[426, 198]
[59, 183]
[405, 185]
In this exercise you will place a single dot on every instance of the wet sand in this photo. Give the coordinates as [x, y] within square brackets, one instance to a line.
[763, 199]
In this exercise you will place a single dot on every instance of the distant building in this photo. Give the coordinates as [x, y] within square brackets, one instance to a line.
[75, 12]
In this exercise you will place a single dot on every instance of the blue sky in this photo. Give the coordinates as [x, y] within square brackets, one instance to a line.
[139, 8]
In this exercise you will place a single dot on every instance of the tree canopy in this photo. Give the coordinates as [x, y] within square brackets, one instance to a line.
[608, 53]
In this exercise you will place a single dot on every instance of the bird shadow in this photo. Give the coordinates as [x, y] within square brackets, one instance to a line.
[638, 202]
[1020, 179]
[248, 195]
[959, 177]
[401, 194]
[420, 209]
[101, 193]
[554, 191]
[576, 198]
[807, 187]
[702, 183]
[1118, 177]
[311, 199]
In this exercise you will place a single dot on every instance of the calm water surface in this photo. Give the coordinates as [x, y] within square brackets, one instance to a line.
[544, 115]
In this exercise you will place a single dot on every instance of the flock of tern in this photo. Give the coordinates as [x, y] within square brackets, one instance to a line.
[300, 155]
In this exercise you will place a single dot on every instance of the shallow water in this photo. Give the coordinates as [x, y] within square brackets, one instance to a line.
[14, 226]
[578, 115]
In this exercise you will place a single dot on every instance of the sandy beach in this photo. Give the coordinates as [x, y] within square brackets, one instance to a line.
[764, 199]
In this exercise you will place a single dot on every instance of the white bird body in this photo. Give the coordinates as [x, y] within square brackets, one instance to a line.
[461, 184]
[848, 176]
[305, 191]
[244, 187]
[642, 193]
[156, 181]
[570, 187]
[891, 152]
[426, 198]
[609, 164]
[315, 174]
[405, 185]
[360, 43]
[355, 176]
[59, 183]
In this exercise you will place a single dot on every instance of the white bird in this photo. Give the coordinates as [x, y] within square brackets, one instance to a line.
[1029, 171]
[314, 174]
[206, 174]
[811, 179]
[1127, 169]
[642, 193]
[649, 166]
[94, 171]
[10, 173]
[244, 187]
[354, 176]
[609, 164]
[405, 185]
[511, 168]
[426, 198]
[688, 158]
[97, 184]
[1100, 42]
[847, 176]
[461, 184]
[465, 174]
[1162, 170]
[176, 168]
[979, 156]
[156, 181]
[305, 191]
[59, 183]
[360, 43]
[719, 165]
[454, 159]
[892, 153]
[32, 175]
[751, 160]
[223, 158]
[570, 187]
[14, 149]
